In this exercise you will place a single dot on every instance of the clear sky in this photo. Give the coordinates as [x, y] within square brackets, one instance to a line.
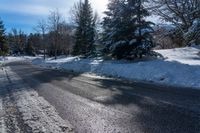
[24, 14]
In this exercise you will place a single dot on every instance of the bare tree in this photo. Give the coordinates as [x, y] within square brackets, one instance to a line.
[162, 38]
[181, 13]
[55, 19]
[42, 28]
[19, 40]
[65, 38]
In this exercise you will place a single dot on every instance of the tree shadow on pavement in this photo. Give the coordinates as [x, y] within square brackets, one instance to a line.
[153, 116]
[43, 74]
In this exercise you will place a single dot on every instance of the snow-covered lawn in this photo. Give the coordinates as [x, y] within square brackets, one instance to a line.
[188, 55]
[180, 67]
[17, 58]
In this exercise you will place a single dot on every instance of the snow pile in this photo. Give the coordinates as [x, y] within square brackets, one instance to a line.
[7, 59]
[10, 58]
[39, 114]
[2, 59]
[181, 67]
[2, 121]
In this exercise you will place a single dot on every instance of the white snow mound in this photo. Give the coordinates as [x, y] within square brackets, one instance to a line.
[180, 67]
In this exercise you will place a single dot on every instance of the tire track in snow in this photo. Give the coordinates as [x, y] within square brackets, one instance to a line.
[35, 111]
[2, 112]
[2, 122]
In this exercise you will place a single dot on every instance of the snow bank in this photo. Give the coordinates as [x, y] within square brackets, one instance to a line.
[39, 114]
[181, 67]
[17, 58]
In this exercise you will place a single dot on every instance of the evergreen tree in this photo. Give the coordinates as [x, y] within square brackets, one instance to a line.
[85, 29]
[3, 46]
[126, 32]
[30, 45]
[30, 50]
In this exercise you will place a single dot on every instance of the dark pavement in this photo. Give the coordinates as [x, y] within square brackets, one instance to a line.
[112, 105]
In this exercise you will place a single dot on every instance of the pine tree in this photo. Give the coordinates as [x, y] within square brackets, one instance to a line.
[126, 32]
[85, 29]
[30, 43]
[3, 46]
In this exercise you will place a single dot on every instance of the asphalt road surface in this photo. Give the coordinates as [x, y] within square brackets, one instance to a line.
[98, 105]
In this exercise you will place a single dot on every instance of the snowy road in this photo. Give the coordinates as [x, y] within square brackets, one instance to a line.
[22, 110]
[34, 99]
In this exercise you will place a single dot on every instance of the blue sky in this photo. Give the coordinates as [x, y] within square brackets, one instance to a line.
[24, 14]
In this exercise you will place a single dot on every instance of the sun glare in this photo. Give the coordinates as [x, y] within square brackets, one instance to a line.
[99, 5]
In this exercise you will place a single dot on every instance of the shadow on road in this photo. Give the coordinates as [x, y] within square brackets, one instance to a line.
[43, 74]
[154, 116]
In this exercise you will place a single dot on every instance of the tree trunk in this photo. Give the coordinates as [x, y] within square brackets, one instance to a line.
[56, 41]
[44, 46]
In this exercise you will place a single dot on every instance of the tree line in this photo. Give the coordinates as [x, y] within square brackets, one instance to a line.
[124, 32]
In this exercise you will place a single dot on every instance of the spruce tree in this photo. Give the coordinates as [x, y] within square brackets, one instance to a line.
[29, 49]
[3, 46]
[126, 32]
[85, 29]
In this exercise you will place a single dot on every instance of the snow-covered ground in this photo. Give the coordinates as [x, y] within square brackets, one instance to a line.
[17, 58]
[180, 67]
[188, 55]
